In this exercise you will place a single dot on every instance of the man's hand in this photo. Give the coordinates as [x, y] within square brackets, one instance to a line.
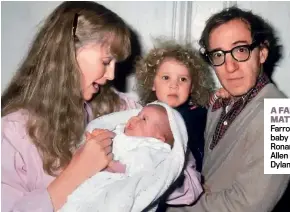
[206, 188]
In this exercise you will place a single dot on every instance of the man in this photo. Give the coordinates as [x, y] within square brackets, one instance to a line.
[236, 44]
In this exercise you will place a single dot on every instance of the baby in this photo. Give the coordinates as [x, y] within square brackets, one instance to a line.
[150, 144]
[152, 121]
[145, 140]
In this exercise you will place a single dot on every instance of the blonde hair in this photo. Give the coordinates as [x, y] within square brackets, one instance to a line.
[47, 83]
[147, 67]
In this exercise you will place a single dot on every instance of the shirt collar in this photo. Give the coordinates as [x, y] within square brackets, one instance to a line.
[261, 82]
[89, 112]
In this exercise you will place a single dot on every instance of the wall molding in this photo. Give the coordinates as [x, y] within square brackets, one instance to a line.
[183, 17]
[181, 21]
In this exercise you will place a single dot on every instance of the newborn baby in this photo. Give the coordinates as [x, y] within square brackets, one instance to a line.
[150, 144]
[144, 141]
[152, 121]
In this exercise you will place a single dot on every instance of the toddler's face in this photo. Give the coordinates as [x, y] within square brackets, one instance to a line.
[150, 122]
[172, 83]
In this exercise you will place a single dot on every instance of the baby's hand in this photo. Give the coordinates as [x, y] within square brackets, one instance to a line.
[116, 167]
[96, 132]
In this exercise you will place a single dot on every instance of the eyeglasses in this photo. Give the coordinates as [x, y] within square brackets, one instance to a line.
[239, 53]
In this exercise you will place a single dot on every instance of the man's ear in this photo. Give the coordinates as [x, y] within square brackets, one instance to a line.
[153, 88]
[264, 51]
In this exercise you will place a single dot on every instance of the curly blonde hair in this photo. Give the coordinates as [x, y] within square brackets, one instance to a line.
[147, 67]
[47, 84]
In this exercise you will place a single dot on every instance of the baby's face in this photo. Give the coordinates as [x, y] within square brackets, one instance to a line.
[150, 122]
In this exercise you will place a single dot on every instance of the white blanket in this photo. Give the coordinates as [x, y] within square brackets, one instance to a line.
[141, 186]
[140, 154]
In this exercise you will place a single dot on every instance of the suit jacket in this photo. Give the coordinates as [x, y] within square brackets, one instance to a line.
[234, 169]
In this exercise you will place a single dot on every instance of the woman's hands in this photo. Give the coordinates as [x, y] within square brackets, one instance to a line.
[113, 166]
[95, 154]
[92, 157]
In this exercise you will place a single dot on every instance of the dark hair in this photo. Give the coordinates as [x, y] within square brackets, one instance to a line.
[261, 31]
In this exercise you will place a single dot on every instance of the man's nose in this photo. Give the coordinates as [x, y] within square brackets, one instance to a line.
[230, 63]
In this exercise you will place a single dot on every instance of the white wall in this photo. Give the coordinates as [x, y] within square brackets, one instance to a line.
[278, 14]
[181, 20]
[19, 22]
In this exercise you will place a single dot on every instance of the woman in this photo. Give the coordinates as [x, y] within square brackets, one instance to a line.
[60, 86]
